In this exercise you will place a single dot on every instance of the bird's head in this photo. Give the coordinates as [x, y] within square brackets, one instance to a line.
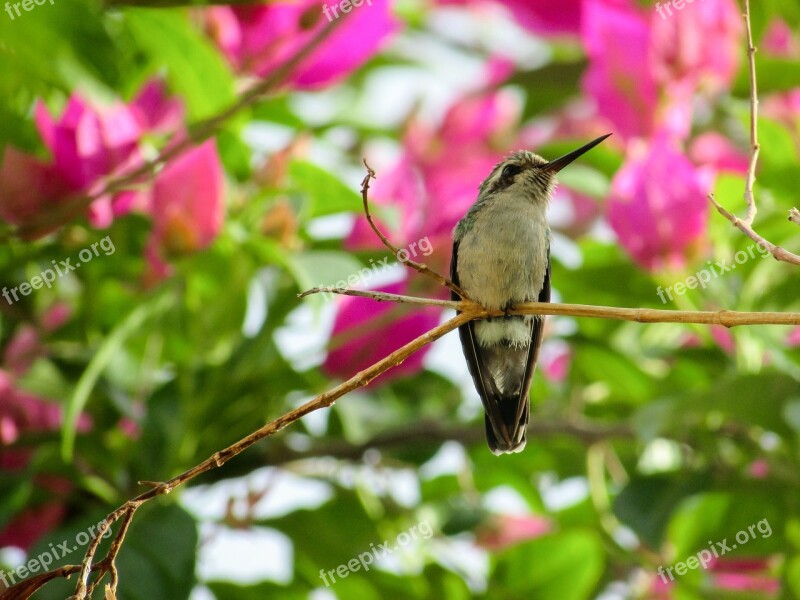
[529, 174]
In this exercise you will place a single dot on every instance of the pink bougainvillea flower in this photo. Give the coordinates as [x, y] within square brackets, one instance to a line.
[25, 345]
[645, 70]
[23, 413]
[556, 363]
[25, 529]
[724, 338]
[546, 17]
[187, 201]
[658, 205]
[793, 339]
[88, 144]
[543, 17]
[27, 187]
[258, 39]
[785, 109]
[155, 111]
[715, 151]
[55, 316]
[619, 78]
[780, 41]
[758, 469]
[366, 330]
[504, 531]
[744, 575]
[699, 45]
[737, 575]
[22, 349]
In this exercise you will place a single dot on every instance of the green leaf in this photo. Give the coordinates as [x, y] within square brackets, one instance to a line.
[586, 180]
[99, 362]
[320, 267]
[194, 67]
[157, 560]
[646, 504]
[326, 194]
[567, 566]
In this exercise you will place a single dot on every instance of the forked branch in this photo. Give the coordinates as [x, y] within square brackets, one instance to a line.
[746, 225]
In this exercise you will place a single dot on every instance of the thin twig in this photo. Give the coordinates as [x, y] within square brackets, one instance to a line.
[727, 318]
[754, 147]
[419, 267]
[746, 225]
[379, 296]
[109, 564]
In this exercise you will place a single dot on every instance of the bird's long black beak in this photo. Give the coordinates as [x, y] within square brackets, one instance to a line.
[556, 165]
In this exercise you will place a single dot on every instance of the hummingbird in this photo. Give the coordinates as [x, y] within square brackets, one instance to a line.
[501, 258]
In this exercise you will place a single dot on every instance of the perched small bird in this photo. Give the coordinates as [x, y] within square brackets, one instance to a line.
[501, 258]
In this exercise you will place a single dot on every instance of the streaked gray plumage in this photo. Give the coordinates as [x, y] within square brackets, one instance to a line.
[501, 258]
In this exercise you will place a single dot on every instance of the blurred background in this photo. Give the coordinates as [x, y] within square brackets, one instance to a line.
[148, 323]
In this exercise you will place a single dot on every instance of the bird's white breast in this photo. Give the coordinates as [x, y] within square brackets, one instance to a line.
[502, 259]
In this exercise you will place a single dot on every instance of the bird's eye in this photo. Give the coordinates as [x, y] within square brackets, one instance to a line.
[510, 171]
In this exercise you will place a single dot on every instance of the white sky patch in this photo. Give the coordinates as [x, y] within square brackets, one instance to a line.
[505, 500]
[260, 553]
[285, 492]
[558, 495]
[450, 459]
[660, 455]
[303, 338]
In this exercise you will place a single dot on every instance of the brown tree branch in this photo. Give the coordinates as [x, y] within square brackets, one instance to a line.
[24, 589]
[218, 459]
[727, 318]
[746, 225]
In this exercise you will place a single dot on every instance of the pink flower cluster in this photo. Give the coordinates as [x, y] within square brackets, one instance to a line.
[259, 38]
[23, 413]
[648, 77]
[91, 145]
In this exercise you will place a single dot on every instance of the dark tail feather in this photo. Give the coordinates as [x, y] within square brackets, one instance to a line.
[505, 419]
